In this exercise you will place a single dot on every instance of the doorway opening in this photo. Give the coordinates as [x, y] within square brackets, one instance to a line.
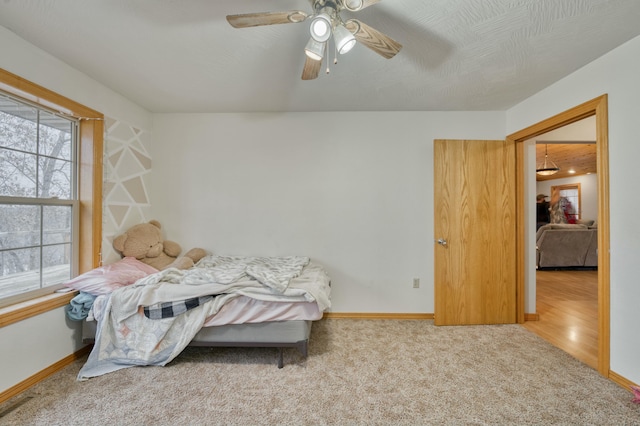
[566, 282]
[598, 108]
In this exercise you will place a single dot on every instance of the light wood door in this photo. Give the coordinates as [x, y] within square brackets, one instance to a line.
[475, 221]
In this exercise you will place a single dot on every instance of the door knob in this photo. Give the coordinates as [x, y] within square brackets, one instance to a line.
[442, 242]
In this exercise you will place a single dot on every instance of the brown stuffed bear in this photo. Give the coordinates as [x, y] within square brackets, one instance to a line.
[145, 243]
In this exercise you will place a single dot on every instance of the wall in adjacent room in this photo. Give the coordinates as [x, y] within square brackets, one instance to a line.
[588, 192]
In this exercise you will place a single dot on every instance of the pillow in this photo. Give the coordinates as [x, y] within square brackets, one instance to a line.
[107, 278]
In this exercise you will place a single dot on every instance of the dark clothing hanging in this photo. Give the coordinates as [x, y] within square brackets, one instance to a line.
[542, 213]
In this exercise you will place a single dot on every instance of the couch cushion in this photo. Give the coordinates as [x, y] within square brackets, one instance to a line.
[567, 226]
[591, 259]
[558, 226]
[565, 247]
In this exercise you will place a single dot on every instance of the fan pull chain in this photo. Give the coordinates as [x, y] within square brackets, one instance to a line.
[327, 54]
[335, 54]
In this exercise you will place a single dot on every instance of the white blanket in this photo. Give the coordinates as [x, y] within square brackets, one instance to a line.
[125, 337]
[272, 272]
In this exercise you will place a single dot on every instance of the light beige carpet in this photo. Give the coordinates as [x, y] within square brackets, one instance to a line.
[359, 372]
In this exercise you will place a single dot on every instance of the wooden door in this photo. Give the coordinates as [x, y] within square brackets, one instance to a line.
[475, 221]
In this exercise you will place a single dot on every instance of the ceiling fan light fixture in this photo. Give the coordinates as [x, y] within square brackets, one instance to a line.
[321, 27]
[344, 39]
[325, 22]
[353, 5]
[315, 49]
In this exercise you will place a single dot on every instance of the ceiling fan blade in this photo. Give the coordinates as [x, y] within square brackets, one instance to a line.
[266, 18]
[380, 43]
[311, 68]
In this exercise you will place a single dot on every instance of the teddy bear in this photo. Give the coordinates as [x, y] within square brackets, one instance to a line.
[144, 242]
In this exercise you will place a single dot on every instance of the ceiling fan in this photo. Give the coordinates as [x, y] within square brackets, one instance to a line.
[325, 21]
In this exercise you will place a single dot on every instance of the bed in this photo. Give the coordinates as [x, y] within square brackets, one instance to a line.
[221, 301]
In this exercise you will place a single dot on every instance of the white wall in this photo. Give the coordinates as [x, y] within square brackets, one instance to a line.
[353, 191]
[588, 192]
[33, 344]
[615, 74]
[37, 66]
[530, 192]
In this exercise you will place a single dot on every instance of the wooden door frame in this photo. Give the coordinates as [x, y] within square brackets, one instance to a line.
[599, 108]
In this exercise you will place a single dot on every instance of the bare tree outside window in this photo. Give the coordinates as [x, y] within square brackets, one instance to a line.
[37, 197]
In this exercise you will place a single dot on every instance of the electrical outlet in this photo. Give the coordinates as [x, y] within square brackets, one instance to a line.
[416, 283]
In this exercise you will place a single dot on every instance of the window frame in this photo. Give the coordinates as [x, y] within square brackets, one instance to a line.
[89, 179]
[571, 187]
[40, 202]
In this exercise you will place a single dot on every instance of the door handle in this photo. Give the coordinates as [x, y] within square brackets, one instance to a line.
[442, 242]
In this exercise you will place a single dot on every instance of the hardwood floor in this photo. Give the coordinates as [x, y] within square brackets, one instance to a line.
[567, 303]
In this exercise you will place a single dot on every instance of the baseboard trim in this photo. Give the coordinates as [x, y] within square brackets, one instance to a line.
[622, 381]
[376, 315]
[43, 374]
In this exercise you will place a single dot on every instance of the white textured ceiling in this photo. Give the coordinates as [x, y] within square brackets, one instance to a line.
[183, 56]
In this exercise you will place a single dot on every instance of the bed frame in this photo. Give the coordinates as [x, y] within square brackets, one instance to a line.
[273, 334]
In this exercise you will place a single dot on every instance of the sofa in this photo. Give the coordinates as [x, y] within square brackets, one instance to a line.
[563, 245]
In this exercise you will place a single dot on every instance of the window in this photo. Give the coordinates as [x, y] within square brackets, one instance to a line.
[38, 198]
[569, 200]
[50, 194]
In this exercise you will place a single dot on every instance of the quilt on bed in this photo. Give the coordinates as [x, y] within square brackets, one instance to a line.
[125, 337]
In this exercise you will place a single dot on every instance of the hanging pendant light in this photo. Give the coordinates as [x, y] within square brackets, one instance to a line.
[548, 167]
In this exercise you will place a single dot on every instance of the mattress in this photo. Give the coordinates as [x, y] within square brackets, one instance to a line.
[248, 322]
[275, 332]
[243, 310]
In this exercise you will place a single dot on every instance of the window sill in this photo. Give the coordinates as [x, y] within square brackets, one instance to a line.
[31, 308]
